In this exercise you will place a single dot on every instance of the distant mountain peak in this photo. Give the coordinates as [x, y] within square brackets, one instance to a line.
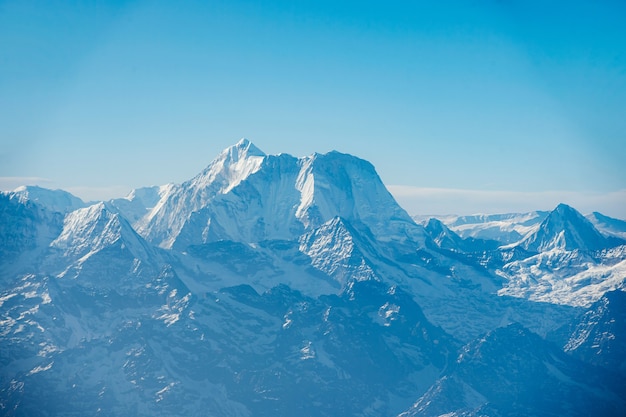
[89, 228]
[242, 149]
[54, 200]
[565, 228]
[566, 210]
[609, 226]
[442, 236]
[98, 229]
[231, 166]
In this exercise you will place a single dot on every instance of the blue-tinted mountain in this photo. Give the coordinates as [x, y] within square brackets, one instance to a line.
[234, 352]
[245, 195]
[26, 230]
[443, 237]
[565, 228]
[513, 372]
[608, 225]
[52, 200]
[507, 228]
[599, 336]
[277, 285]
[566, 260]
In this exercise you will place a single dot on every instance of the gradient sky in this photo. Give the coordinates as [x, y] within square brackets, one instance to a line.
[463, 107]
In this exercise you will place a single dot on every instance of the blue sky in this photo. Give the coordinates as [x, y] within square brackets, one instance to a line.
[463, 107]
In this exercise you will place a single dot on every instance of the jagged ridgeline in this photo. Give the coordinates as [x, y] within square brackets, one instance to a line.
[271, 285]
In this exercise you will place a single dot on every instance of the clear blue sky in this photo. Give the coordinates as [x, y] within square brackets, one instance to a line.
[496, 105]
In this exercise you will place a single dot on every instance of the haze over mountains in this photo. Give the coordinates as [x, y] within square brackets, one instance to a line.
[277, 285]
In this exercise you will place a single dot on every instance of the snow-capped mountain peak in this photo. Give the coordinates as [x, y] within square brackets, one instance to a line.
[337, 184]
[94, 228]
[243, 148]
[232, 166]
[247, 196]
[507, 228]
[166, 219]
[609, 226]
[87, 229]
[567, 229]
[54, 200]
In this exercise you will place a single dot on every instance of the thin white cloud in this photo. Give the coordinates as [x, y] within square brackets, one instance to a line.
[417, 200]
[11, 183]
[86, 193]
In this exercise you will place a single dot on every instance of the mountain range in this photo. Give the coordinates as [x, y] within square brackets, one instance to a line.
[277, 285]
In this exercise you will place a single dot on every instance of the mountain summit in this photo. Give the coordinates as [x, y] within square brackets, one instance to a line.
[565, 228]
[53, 200]
[232, 165]
[247, 196]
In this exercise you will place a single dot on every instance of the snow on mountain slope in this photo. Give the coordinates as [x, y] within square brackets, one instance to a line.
[99, 246]
[336, 184]
[599, 336]
[26, 230]
[232, 353]
[573, 264]
[567, 229]
[576, 278]
[78, 347]
[94, 228]
[211, 266]
[90, 275]
[465, 301]
[345, 225]
[512, 372]
[53, 200]
[261, 207]
[442, 235]
[446, 239]
[163, 223]
[140, 202]
[333, 250]
[231, 167]
[505, 228]
[609, 226]
[459, 297]
[247, 196]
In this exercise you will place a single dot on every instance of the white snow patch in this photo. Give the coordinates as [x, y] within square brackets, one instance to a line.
[564, 277]
[307, 352]
[161, 393]
[387, 313]
[40, 368]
